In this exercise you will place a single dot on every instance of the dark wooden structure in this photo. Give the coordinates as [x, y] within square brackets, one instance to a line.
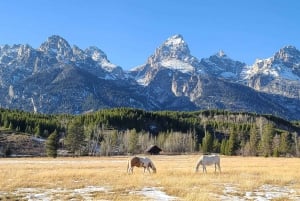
[153, 150]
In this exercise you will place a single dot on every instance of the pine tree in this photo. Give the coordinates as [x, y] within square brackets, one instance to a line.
[75, 137]
[284, 144]
[223, 147]
[207, 143]
[133, 140]
[37, 130]
[253, 141]
[216, 146]
[232, 142]
[266, 140]
[276, 145]
[52, 144]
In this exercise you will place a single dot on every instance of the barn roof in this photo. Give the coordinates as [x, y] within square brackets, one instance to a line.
[153, 149]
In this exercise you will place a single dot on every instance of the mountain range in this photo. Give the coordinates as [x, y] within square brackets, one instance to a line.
[57, 78]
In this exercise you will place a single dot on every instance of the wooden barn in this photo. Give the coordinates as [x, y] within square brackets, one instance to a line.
[153, 150]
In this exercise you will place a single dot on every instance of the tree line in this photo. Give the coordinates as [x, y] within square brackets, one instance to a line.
[127, 130]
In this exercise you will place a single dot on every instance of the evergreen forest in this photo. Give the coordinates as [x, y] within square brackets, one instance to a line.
[123, 131]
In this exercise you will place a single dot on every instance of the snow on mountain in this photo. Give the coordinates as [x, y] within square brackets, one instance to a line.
[57, 47]
[174, 51]
[175, 41]
[284, 64]
[100, 57]
[173, 54]
[279, 74]
[269, 68]
[177, 65]
[222, 66]
[289, 55]
[57, 78]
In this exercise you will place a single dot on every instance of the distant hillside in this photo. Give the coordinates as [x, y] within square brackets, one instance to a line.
[20, 144]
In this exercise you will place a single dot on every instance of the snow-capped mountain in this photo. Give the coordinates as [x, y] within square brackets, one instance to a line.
[222, 66]
[59, 78]
[56, 49]
[172, 73]
[16, 63]
[279, 74]
[173, 55]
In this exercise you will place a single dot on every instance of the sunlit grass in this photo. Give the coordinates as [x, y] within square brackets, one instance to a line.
[175, 174]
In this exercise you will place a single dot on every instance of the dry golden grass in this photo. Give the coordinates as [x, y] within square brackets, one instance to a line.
[175, 176]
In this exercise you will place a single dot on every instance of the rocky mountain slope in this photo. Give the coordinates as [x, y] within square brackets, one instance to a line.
[58, 78]
[279, 74]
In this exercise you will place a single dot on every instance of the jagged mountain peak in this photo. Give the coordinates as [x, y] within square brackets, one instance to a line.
[287, 58]
[101, 58]
[55, 42]
[221, 54]
[56, 46]
[279, 74]
[173, 55]
[288, 54]
[175, 40]
[95, 53]
[173, 48]
[223, 66]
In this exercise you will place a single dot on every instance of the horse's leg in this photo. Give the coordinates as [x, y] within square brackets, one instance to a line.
[128, 167]
[131, 170]
[219, 167]
[148, 169]
[197, 167]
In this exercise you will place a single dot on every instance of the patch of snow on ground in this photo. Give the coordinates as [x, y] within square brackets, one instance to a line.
[36, 194]
[155, 194]
[263, 193]
[269, 192]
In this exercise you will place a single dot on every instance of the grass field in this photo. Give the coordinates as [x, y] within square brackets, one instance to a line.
[105, 178]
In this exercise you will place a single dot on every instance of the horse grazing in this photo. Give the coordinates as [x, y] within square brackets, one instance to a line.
[208, 160]
[144, 162]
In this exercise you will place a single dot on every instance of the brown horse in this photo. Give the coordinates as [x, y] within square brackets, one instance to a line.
[145, 162]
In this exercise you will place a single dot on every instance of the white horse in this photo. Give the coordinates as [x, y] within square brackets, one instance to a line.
[208, 160]
[144, 162]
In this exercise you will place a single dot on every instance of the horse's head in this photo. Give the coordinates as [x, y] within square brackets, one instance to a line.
[151, 165]
[154, 169]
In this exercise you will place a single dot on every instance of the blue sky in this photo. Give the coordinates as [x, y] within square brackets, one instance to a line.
[129, 31]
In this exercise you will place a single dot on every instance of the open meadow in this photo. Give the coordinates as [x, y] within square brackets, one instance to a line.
[105, 178]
